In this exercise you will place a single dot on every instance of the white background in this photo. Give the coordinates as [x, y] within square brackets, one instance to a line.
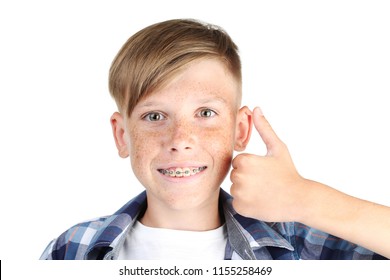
[319, 70]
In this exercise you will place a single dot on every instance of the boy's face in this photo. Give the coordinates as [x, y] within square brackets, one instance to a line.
[181, 137]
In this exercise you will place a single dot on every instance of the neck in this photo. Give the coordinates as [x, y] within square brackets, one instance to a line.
[202, 218]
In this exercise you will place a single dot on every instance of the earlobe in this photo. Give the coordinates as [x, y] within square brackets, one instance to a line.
[243, 129]
[118, 130]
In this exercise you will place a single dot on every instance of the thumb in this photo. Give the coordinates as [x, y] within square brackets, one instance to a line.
[270, 139]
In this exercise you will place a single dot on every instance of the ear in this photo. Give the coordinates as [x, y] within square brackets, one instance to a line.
[243, 129]
[118, 130]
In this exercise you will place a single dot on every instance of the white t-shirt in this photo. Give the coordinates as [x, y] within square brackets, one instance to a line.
[147, 243]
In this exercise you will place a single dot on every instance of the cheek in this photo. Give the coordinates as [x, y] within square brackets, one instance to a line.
[220, 143]
[141, 150]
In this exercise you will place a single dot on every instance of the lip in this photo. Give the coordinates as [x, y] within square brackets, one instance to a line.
[200, 168]
[181, 165]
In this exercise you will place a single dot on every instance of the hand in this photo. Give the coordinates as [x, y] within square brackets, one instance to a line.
[267, 187]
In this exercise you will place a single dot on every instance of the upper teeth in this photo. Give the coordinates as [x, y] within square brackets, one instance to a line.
[182, 172]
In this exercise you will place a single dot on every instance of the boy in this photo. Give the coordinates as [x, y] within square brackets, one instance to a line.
[177, 85]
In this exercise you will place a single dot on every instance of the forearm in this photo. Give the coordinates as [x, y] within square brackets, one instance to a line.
[269, 188]
[358, 221]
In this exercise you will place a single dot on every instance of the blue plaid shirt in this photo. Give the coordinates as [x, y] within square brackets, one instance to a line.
[248, 239]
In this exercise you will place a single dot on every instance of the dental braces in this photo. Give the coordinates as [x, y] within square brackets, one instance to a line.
[172, 172]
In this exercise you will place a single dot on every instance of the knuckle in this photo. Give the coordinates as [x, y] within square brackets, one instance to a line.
[240, 159]
[240, 208]
[283, 145]
[236, 160]
[236, 176]
[233, 191]
[233, 175]
[236, 193]
[236, 205]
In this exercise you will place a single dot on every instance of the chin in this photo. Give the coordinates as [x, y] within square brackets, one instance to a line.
[187, 199]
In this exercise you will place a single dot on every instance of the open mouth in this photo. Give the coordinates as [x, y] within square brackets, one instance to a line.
[182, 172]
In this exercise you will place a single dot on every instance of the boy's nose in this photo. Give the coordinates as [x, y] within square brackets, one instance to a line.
[182, 138]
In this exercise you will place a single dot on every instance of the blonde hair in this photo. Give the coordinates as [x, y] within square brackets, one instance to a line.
[153, 55]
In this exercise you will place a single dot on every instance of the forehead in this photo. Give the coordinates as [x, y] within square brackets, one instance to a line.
[203, 79]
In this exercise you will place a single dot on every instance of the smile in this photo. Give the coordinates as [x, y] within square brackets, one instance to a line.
[182, 172]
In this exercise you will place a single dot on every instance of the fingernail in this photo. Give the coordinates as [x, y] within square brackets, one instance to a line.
[260, 111]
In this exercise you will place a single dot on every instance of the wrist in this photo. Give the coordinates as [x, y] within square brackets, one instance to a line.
[307, 202]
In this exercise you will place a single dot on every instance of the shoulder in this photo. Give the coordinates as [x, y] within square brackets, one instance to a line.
[102, 233]
[73, 243]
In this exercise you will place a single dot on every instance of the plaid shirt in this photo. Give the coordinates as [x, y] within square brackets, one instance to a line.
[248, 239]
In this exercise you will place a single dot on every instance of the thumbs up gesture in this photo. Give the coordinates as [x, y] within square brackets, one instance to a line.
[266, 187]
[269, 188]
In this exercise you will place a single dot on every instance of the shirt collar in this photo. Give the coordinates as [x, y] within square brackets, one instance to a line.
[115, 227]
[244, 234]
[247, 234]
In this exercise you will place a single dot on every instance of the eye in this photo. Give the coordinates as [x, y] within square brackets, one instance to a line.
[206, 113]
[153, 117]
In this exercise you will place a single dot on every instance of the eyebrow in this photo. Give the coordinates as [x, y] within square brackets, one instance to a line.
[149, 104]
[212, 100]
[202, 101]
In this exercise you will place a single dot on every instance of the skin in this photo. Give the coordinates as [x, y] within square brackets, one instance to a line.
[269, 188]
[179, 125]
[266, 187]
